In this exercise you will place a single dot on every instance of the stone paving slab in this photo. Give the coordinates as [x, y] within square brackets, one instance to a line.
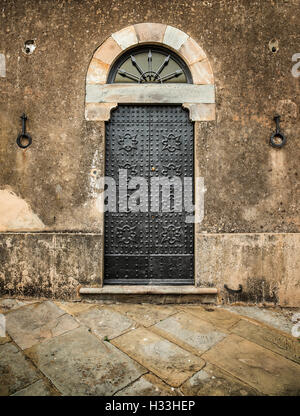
[269, 338]
[39, 388]
[189, 332]
[8, 304]
[37, 322]
[246, 355]
[145, 315]
[212, 381]
[260, 368]
[166, 360]
[74, 308]
[79, 364]
[4, 340]
[216, 316]
[15, 371]
[280, 320]
[148, 385]
[106, 323]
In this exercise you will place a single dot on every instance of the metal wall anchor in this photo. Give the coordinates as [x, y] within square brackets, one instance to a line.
[277, 135]
[24, 139]
[239, 290]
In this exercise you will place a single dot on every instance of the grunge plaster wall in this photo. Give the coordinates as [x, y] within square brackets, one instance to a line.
[48, 192]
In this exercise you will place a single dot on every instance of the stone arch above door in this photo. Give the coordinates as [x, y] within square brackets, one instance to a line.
[198, 97]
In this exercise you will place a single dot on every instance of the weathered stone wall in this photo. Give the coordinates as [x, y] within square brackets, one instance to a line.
[266, 265]
[49, 264]
[50, 187]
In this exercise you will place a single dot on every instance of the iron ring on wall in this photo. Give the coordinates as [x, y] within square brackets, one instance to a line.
[280, 136]
[24, 136]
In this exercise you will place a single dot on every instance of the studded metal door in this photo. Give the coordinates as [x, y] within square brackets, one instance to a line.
[156, 246]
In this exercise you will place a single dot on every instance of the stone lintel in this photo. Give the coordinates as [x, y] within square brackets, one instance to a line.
[150, 94]
[102, 111]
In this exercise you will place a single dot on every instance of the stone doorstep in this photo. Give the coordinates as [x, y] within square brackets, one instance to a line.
[147, 290]
[149, 294]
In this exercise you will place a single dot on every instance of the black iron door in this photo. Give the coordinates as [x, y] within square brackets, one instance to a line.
[155, 246]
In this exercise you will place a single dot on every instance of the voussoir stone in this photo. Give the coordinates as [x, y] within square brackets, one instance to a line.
[202, 72]
[150, 32]
[174, 37]
[108, 51]
[191, 51]
[125, 37]
[79, 364]
[265, 371]
[189, 332]
[163, 358]
[37, 322]
[97, 72]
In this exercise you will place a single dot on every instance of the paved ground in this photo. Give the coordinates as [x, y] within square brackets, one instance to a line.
[55, 348]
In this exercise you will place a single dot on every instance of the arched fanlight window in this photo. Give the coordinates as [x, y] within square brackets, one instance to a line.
[149, 64]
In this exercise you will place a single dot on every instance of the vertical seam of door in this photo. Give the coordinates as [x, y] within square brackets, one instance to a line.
[149, 188]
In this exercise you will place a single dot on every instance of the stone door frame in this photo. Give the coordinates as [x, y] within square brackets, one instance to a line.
[198, 97]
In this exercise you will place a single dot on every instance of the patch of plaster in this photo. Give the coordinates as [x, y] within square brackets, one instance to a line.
[95, 183]
[16, 214]
[277, 174]
[287, 110]
[94, 178]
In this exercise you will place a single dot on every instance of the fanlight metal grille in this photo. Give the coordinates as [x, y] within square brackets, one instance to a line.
[150, 64]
